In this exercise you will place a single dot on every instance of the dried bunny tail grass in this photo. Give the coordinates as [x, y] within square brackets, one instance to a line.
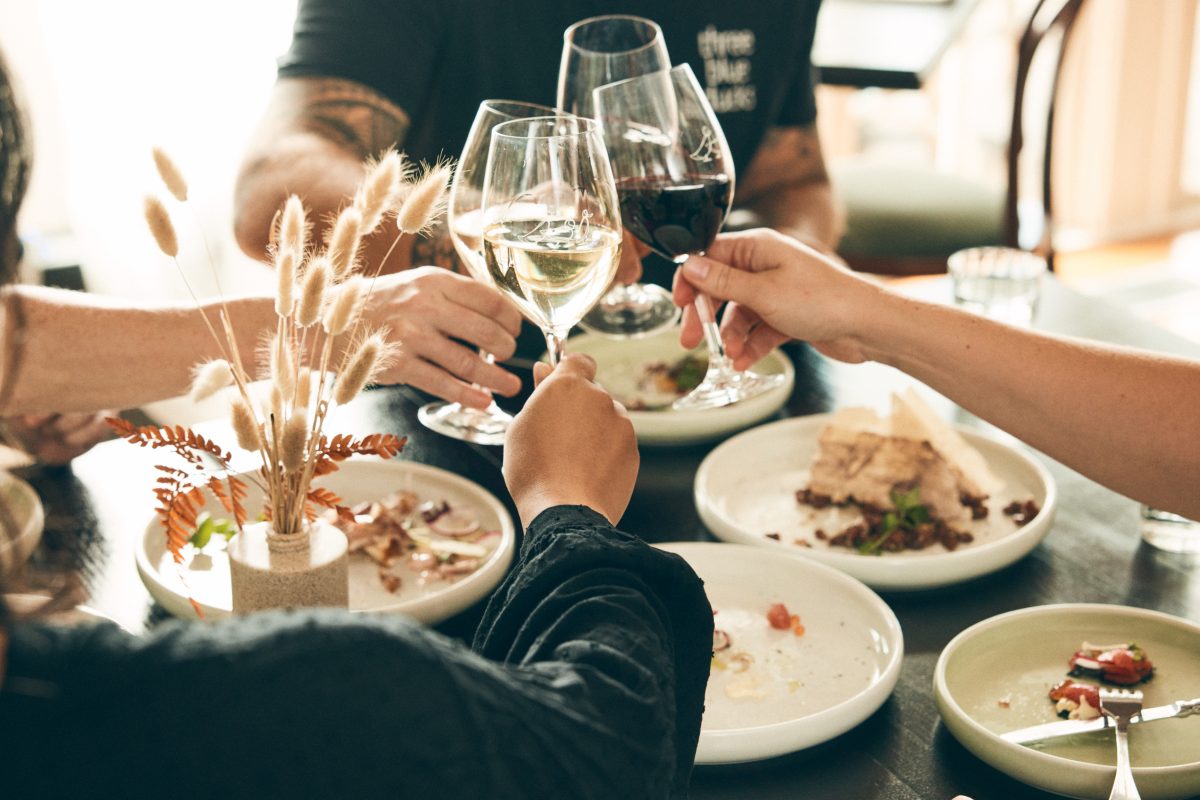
[293, 227]
[210, 378]
[285, 271]
[249, 436]
[172, 178]
[293, 445]
[312, 294]
[303, 388]
[377, 194]
[283, 364]
[273, 409]
[362, 367]
[343, 308]
[343, 244]
[159, 222]
[425, 201]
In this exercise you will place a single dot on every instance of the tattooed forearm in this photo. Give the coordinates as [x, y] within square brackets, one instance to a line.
[350, 114]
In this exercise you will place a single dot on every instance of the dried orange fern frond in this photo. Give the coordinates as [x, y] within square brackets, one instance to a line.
[186, 443]
[342, 446]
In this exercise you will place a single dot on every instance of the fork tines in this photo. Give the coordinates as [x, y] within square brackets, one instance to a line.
[1121, 703]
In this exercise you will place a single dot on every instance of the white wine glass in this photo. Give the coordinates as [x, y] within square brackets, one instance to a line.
[598, 51]
[465, 219]
[675, 181]
[551, 225]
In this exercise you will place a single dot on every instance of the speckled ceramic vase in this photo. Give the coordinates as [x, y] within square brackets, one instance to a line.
[299, 570]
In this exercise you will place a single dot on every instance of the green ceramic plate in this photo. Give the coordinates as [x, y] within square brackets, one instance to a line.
[994, 677]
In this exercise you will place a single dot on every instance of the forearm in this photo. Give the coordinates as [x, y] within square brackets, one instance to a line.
[77, 352]
[1125, 418]
[313, 141]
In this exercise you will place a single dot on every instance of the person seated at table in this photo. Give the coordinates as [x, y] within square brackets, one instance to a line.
[365, 75]
[586, 676]
[1123, 417]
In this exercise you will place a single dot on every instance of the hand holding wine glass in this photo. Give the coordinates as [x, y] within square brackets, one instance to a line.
[675, 182]
[551, 226]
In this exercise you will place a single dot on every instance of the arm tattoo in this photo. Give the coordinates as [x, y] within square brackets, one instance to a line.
[788, 156]
[351, 115]
[436, 248]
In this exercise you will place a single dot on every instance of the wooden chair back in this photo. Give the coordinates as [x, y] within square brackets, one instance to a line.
[1046, 34]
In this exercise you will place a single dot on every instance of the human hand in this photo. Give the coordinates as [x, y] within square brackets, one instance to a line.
[56, 439]
[425, 310]
[778, 289]
[572, 444]
[632, 253]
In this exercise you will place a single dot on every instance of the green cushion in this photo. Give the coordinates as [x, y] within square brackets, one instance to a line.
[909, 211]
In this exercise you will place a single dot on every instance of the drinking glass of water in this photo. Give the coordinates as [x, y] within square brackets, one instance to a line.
[1002, 283]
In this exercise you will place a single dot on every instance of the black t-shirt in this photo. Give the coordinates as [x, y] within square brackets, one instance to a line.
[437, 59]
[586, 681]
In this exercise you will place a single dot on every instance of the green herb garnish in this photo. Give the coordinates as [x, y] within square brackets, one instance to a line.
[689, 372]
[206, 526]
[908, 513]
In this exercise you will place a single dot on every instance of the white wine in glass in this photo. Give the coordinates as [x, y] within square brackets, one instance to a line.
[465, 220]
[552, 229]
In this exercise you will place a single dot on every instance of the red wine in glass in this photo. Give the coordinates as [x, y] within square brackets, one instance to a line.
[674, 216]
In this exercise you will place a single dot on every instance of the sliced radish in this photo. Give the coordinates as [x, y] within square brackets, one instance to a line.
[455, 523]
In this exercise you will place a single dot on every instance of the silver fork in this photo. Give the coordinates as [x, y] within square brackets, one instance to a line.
[1122, 705]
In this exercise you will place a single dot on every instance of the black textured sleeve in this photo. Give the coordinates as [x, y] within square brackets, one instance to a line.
[595, 654]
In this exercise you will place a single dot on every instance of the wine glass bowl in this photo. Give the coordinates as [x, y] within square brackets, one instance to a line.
[465, 221]
[675, 183]
[598, 51]
[551, 225]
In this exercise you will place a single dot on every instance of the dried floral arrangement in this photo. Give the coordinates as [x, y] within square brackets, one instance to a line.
[320, 295]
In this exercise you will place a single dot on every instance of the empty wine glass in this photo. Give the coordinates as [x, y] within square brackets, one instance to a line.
[598, 51]
[675, 185]
[551, 226]
[465, 218]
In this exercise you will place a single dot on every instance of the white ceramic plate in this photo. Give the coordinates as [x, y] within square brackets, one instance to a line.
[28, 517]
[813, 687]
[79, 615]
[619, 361]
[205, 576]
[1018, 656]
[746, 489]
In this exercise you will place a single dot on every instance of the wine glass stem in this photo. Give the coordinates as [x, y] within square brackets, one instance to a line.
[712, 334]
[556, 346]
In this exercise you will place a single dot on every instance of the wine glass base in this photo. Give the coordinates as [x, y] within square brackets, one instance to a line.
[489, 426]
[721, 388]
[632, 312]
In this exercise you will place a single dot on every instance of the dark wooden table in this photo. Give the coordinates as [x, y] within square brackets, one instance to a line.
[893, 44]
[1093, 554]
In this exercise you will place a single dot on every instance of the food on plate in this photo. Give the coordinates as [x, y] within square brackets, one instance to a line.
[431, 539]
[1076, 700]
[862, 457]
[779, 619]
[1123, 664]
[914, 479]
[656, 385]
[907, 526]
[748, 683]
